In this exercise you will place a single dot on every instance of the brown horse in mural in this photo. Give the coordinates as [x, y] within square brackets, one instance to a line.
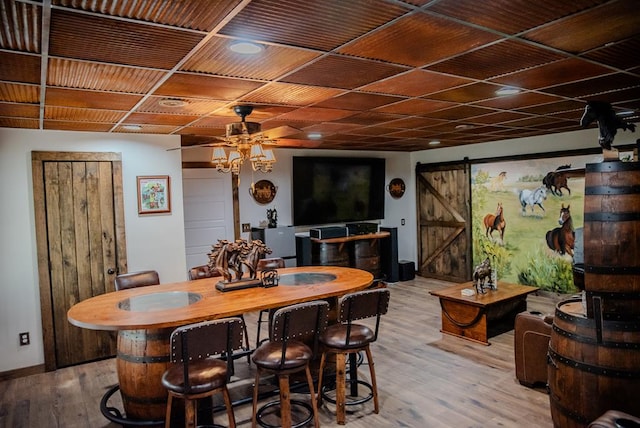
[495, 222]
[561, 239]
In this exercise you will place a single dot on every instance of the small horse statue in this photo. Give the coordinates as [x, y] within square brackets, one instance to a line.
[608, 122]
[219, 259]
[480, 275]
[532, 198]
[227, 257]
[495, 222]
[562, 239]
[255, 253]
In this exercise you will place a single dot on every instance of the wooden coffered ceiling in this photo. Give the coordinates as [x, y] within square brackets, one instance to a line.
[365, 74]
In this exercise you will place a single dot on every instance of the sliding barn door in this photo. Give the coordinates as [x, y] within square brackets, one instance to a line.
[444, 221]
[80, 239]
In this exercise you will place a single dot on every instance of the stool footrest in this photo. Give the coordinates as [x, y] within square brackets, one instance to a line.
[349, 402]
[264, 408]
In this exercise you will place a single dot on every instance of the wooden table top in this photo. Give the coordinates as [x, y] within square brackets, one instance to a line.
[377, 235]
[504, 292]
[117, 310]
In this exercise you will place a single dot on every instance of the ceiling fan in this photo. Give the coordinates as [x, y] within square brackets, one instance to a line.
[246, 141]
[242, 134]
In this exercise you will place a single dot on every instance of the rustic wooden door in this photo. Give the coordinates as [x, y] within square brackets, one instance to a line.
[444, 221]
[80, 239]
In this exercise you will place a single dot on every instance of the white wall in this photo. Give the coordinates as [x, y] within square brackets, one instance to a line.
[158, 241]
[397, 165]
[153, 242]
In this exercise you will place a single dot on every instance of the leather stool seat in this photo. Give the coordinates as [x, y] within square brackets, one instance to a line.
[269, 356]
[532, 332]
[204, 375]
[335, 336]
[616, 419]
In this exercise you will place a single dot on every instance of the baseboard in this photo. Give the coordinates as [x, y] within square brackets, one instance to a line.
[25, 371]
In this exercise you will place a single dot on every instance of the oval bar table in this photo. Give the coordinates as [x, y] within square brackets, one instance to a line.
[146, 316]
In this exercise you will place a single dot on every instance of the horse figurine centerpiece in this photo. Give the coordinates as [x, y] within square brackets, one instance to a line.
[608, 122]
[230, 259]
[480, 275]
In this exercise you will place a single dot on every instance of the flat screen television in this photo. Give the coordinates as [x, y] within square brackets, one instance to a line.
[337, 190]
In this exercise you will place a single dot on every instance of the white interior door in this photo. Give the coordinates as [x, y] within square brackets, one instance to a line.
[208, 212]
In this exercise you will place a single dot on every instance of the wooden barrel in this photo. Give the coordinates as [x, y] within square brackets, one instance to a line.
[330, 254]
[594, 366]
[367, 256]
[612, 238]
[143, 357]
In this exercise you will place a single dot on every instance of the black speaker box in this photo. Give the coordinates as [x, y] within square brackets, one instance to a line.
[361, 228]
[303, 251]
[407, 270]
[328, 232]
[389, 254]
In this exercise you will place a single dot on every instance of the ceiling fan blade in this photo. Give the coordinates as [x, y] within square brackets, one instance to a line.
[210, 143]
[294, 143]
[279, 132]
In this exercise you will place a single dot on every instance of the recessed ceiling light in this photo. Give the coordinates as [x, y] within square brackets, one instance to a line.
[464, 126]
[172, 102]
[314, 135]
[625, 113]
[434, 143]
[247, 48]
[132, 127]
[508, 90]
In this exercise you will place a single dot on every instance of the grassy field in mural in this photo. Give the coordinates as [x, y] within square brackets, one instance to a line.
[524, 256]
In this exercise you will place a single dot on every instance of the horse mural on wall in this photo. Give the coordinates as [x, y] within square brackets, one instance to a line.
[608, 122]
[495, 222]
[496, 184]
[557, 180]
[561, 239]
[532, 198]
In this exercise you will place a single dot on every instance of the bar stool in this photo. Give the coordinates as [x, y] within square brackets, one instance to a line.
[285, 353]
[348, 338]
[202, 272]
[137, 279]
[263, 264]
[195, 372]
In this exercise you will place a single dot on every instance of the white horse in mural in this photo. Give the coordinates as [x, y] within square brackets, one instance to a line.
[532, 198]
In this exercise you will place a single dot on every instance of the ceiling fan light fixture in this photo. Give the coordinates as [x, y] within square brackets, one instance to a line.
[246, 48]
[508, 90]
[172, 102]
[256, 153]
[219, 155]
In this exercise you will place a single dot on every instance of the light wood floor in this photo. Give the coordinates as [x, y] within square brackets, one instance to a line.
[425, 379]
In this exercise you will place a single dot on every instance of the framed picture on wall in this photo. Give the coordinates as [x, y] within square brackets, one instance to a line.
[154, 194]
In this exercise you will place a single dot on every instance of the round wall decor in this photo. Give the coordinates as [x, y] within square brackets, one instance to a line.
[396, 187]
[263, 191]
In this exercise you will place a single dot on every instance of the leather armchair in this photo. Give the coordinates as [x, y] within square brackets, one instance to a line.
[616, 419]
[532, 333]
